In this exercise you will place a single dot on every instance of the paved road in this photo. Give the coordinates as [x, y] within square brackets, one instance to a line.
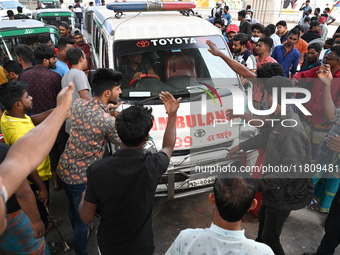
[302, 232]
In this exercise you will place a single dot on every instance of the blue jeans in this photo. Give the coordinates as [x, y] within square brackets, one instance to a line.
[74, 195]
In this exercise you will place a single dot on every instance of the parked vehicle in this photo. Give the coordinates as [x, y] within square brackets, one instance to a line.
[6, 5]
[175, 47]
[55, 16]
[49, 4]
[25, 31]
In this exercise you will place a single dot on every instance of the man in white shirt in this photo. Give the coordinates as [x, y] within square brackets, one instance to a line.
[82, 88]
[233, 197]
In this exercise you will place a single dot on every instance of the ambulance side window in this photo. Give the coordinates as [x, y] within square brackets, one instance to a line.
[105, 52]
[88, 20]
[96, 38]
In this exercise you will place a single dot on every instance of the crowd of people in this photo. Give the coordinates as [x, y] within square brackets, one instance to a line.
[43, 141]
[296, 53]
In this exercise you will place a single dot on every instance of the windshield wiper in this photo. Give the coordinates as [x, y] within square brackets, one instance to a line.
[172, 92]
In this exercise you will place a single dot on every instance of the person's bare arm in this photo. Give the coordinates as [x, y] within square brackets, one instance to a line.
[84, 94]
[171, 106]
[325, 76]
[28, 204]
[332, 20]
[86, 210]
[38, 118]
[233, 64]
[42, 193]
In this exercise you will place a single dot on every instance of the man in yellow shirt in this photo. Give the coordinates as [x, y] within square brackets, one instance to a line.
[14, 125]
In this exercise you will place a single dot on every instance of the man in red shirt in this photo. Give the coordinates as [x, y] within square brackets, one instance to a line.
[314, 124]
[79, 43]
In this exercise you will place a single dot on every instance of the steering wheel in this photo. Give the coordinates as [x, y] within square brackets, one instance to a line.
[143, 75]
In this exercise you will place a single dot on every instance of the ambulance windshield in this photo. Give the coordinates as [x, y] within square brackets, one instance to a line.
[172, 64]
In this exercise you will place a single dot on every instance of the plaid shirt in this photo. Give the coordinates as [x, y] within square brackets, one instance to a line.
[91, 127]
[128, 72]
[314, 106]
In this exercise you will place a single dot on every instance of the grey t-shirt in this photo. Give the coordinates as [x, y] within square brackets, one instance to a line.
[81, 82]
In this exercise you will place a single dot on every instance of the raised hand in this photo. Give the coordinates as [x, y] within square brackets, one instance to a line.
[170, 103]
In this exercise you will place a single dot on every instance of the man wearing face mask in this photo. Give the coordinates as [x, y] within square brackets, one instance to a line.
[242, 55]
[257, 32]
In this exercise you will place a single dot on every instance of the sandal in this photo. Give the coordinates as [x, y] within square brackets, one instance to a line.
[54, 247]
[51, 226]
[314, 207]
[91, 228]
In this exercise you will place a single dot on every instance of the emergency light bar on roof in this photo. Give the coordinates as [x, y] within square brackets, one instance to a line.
[150, 6]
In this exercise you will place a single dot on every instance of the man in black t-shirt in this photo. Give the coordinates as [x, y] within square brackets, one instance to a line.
[20, 14]
[123, 186]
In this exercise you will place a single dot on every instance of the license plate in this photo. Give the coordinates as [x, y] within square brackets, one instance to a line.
[201, 181]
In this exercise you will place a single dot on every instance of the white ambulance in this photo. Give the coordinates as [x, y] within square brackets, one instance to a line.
[173, 45]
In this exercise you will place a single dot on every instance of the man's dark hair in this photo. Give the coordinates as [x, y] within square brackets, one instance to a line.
[327, 9]
[218, 21]
[330, 41]
[73, 55]
[299, 27]
[258, 26]
[242, 13]
[317, 9]
[242, 38]
[267, 32]
[324, 15]
[314, 24]
[278, 82]
[64, 24]
[43, 51]
[63, 41]
[105, 79]
[267, 41]
[336, 49]
[25, 52]
[19, 9]
[272, 28]
[70, 6]
[294, 31]
[314, 19]
[268, 70]
[90, 3]
[10, 13]
[233, 197]
[61, 1]
[11, 92]
[134, 124]
[307, 19]
[281, 23]
[309, 11]
[316, 46]
[12, 66]
[226, 7]
[44, 38]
